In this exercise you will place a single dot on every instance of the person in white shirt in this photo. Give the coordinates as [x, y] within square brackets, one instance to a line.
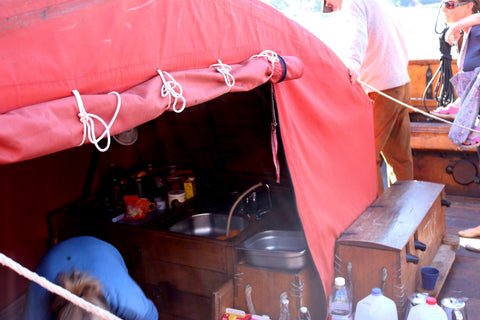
[377, 55]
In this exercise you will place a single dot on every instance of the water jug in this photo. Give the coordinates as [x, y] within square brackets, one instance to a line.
[376, 306]
[455, 308]
[427, 311]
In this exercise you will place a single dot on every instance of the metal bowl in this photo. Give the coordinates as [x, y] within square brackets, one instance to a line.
[276, 249]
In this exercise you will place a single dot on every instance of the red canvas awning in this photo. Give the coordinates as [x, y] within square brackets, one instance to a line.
[52, 47]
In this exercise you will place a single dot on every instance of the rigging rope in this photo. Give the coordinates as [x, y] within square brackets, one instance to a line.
[64, 293]
[416, 109]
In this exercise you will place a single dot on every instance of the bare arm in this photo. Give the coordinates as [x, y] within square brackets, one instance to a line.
[453, 32]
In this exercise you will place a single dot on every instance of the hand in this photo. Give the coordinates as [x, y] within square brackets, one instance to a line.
[453, 34]
[353, 75]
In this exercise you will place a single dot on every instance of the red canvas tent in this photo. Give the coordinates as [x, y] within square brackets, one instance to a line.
[52, 49]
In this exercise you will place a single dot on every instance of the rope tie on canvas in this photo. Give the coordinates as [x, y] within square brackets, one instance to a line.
[87, 119]
[271, 56]
[171, 89]
[225, 69]
[416, 109]
[64, 293]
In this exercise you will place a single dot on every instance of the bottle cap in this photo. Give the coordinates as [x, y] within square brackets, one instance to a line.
[339, 281]
[376, 292]
[303, 309]
[285, 301]
[431, 301]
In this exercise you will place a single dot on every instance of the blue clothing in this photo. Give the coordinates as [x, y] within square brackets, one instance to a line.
[100, 260]
[472, 54]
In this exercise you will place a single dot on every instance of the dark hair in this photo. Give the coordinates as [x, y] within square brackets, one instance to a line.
[476, 6]
[84, 286]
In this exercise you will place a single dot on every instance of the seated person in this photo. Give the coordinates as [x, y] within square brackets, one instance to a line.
[94, 270]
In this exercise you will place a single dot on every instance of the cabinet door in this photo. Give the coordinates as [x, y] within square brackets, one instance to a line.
[222, 299]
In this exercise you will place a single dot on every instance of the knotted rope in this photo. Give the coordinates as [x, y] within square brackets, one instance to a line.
[171, 89]
[67, 295]
[225, 69]
[271, 56]
[87, 119]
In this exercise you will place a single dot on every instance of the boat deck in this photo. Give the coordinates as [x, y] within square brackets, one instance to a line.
[464, 277]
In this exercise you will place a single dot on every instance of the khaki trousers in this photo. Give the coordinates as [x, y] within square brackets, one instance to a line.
[392, 133]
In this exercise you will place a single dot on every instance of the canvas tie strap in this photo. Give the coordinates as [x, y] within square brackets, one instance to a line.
[225, 69]
[87, 119]
[274, 138]
[67, 295]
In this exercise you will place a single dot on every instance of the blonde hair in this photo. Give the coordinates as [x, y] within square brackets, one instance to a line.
[84, 286]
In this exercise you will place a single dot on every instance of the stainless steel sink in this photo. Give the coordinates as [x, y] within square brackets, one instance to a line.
[209, 225]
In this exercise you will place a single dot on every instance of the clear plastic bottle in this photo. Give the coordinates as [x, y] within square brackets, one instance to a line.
[284, 310]
[376, 306]
[427, 311]
[340, 301]
[304, 314]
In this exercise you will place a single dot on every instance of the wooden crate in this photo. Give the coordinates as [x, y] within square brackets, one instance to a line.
[381, 248]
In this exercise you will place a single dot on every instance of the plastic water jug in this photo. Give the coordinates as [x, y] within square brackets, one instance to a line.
[376, 306]
[427, 311]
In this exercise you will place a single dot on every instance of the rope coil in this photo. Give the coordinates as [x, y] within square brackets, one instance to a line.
[171, 89]
[225, 69]
[87, 119]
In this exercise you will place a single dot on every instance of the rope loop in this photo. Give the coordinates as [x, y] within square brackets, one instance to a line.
[225, 69]
[171, 89]
[87, 119]
[271, 56]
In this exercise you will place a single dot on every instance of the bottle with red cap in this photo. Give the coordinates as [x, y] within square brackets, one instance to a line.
[427, 311]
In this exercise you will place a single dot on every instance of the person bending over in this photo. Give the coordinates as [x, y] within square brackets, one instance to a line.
[93, 270]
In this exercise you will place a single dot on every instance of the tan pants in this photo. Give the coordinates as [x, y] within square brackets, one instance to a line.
[392, 133]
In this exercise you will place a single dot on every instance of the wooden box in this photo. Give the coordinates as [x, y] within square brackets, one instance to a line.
[395, 237]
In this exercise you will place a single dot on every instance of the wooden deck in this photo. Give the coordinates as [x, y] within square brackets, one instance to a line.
[464, 277]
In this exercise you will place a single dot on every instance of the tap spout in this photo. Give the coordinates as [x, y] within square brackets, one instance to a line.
[236, 203]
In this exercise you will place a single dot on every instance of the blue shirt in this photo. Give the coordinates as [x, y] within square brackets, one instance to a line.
[472, 56]
[100, 260]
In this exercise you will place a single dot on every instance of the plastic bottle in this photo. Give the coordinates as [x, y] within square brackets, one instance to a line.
[284, 310]
[376, 306]
[427, 311]
[340, 301]
[303, 314]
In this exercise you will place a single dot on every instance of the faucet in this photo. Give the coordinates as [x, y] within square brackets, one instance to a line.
[250, 199]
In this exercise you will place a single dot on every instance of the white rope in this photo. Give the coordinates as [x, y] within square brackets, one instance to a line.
[87, 119]
[168, 89]
[271, 56]
[416, 109]
[225, 69]
[42, 281]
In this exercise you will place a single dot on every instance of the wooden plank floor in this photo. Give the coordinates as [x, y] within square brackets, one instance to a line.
[464, 277]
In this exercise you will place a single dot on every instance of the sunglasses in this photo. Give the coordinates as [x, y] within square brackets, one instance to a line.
[452, 4]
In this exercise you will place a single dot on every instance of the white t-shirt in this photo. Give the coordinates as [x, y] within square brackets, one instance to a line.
[375, 44]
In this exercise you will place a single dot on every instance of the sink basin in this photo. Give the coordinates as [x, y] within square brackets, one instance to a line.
[209, 225]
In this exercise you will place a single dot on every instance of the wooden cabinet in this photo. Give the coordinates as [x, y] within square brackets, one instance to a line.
[187, 278]
[302, 288]
[395, 237]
